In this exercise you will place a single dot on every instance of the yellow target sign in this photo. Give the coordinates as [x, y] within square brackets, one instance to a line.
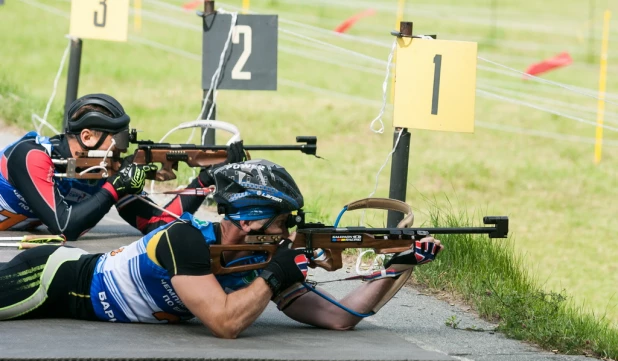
[100, 19]
[435, 84]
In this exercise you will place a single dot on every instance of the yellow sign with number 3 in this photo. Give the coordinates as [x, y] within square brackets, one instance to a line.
[435, 84]
[100, 19]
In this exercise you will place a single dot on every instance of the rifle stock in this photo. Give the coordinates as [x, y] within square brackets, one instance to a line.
[169, 157]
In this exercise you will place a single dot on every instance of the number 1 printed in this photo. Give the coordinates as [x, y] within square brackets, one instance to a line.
[437, 60]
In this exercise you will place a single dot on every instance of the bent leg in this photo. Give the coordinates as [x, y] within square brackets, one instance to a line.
[26, 279]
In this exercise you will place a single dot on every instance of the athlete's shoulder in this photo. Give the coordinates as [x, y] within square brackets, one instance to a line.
[23, 146]
[27, 154]
[185, 230]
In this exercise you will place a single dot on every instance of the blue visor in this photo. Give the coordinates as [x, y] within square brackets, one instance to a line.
[252, 213]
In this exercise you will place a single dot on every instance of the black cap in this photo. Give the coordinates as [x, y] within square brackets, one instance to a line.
[95, 120]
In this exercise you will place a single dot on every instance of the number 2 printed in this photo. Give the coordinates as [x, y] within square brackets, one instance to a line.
[237, 72]
[101, 23]
[437, 60]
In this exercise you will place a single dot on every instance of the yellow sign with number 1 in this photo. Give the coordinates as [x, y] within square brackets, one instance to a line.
[100, 19]
[435, 84]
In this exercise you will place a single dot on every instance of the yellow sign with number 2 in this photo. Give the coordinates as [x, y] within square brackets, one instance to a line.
[435, 84]
[100, 19]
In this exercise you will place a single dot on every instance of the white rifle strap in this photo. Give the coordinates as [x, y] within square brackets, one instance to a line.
[399, 282]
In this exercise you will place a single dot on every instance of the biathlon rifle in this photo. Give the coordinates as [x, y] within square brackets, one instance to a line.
[97, 164]
[333, 240]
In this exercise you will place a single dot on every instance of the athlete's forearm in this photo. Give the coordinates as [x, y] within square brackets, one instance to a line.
[246, 305]
[243, 307]
[82, 216]
[314, 310]
[226, 315]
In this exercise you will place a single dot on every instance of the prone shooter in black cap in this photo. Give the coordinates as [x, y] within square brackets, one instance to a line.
[30, 194]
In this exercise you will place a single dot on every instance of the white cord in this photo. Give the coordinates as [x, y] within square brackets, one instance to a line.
[212, 89]
[384, 87]
[362, 221]
[564, 86]
[215, 77]
[103, 164]
[374, 265]
[533, 106]
[141, 198]
[43, 121]
[385, 162]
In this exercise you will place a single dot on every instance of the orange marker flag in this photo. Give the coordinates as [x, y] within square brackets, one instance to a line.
[347, 23]
[192, 5]
[560, 60]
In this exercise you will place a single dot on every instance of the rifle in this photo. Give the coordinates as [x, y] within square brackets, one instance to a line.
[99, 164]
[333, 240]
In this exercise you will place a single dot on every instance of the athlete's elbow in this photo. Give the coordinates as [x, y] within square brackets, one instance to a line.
[342, 327]
[226, 330]
[71, 236]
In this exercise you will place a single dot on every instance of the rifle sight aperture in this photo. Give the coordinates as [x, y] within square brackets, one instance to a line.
[501, 223]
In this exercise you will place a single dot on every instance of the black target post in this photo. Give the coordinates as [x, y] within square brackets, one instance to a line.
[208, 15]
[75, 60]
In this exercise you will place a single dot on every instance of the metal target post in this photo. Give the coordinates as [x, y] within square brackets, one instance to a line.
[208, 15]
[75, 60]
[401, 156]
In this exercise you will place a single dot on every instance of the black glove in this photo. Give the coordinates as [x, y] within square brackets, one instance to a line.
[235, 154]
[131, 178]
[287, 267]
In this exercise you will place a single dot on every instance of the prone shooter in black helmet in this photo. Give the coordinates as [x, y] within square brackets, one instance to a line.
[166, 276]
[30, 194]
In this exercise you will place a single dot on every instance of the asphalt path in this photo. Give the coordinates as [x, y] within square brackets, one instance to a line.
[410, 327]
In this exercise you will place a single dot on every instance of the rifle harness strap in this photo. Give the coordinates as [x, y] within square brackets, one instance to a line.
[382, 203]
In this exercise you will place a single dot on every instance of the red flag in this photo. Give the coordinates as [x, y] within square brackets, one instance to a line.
[347, 23]
[560, 60]
[192, 5]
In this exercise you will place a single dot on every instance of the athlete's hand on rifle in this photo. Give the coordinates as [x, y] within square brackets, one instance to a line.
[287, 267]
[423, 251]
[235, 154]
[130, 179]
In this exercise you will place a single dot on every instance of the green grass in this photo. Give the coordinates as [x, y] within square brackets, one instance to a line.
[503, 291]
[561, 205]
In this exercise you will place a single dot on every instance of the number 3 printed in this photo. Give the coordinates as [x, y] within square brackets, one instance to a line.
[96, 15]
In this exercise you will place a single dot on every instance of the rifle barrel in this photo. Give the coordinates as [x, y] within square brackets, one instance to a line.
[500, 230]
[310, 146]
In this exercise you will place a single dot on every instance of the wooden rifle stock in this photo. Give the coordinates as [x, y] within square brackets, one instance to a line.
[169, 158]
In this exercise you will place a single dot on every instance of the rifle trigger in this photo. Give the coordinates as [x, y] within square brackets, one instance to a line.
[308, 241]
[421, 234]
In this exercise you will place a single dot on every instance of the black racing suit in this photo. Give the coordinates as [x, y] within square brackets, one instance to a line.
[69, 206]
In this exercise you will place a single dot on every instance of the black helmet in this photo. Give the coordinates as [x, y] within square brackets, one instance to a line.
[118, 123]
[255, 189]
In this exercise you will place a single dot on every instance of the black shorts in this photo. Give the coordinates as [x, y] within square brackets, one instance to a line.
[47, 282]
